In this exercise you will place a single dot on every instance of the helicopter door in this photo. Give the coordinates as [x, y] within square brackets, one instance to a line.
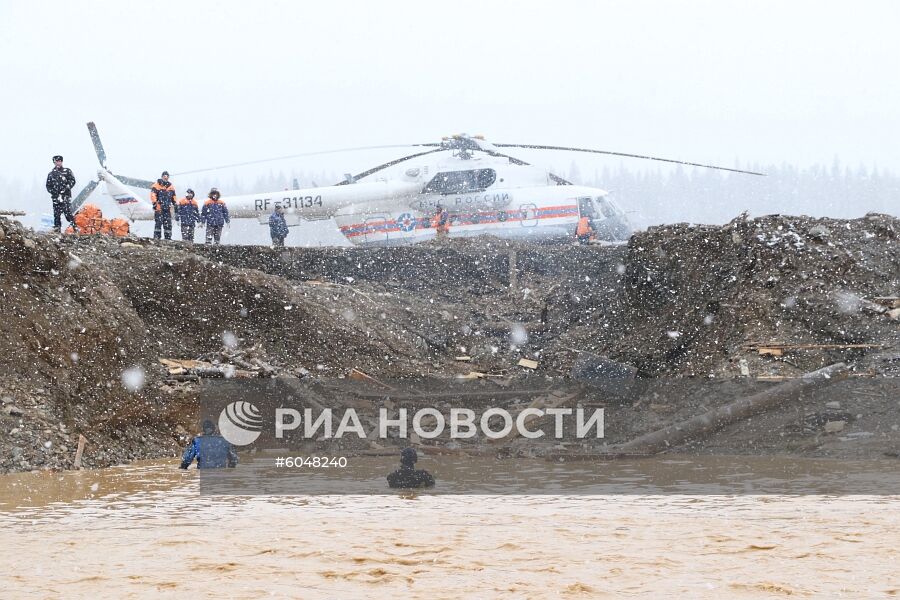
[376, 229]
[529, 215]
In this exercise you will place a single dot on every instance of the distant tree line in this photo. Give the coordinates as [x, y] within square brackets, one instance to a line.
[710, 196]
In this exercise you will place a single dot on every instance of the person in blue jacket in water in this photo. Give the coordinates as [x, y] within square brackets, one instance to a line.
[211, 450]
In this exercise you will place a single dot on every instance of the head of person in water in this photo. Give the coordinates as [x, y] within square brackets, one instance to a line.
[408, 457]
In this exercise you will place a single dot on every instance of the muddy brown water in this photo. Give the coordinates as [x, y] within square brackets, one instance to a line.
[147, 530]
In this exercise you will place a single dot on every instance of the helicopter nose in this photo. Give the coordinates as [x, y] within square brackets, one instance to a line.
[615, 229]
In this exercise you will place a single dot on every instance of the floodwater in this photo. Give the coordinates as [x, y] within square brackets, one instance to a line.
[145, 530]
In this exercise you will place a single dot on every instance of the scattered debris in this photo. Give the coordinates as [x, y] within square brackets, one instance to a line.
[472, 375]
[188, 370]
[528, 363]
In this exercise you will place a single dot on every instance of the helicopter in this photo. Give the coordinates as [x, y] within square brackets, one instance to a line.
[482, 189]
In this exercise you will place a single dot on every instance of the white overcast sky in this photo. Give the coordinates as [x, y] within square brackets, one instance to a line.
[182, 85]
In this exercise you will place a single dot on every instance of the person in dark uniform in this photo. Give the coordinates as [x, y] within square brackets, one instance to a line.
[408, 476]
[162, 196]
[212, 451]
[278, 228]
[60, 182]
[187, 212]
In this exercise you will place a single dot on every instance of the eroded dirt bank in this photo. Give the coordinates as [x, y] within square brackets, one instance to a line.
[87, 320]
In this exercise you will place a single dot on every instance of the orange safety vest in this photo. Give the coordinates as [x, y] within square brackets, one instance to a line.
[160, 193]
[584, 227]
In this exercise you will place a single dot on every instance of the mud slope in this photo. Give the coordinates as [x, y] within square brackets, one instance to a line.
[67, 337]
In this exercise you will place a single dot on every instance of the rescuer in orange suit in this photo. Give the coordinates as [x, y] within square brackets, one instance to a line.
[441, 224]
[584, 233]
[187, 212]
[162, 195]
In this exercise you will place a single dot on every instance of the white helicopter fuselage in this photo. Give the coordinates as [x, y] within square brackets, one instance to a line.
[482, 196]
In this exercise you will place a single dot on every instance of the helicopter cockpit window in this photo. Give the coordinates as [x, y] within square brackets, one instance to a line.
[606, 207]
[461, 182]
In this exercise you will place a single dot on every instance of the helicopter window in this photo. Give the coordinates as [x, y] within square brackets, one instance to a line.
[586, 207]
[461, 182]
[606, 207]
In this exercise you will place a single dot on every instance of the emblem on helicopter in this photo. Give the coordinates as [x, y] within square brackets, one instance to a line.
[406, 222]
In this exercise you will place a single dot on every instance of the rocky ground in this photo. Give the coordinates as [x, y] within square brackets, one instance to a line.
[86, 321]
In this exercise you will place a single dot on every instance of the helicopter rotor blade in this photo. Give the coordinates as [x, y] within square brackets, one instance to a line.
[516, 161]
[98, 145]
[355, 178]
[134, 182]
[588, 150]
[302, 154]
[83, 195]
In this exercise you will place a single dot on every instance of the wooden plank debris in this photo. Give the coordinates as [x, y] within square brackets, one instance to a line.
[79, 451]
[528, 363]
[480, 375]
[190, 370]
[770, 351]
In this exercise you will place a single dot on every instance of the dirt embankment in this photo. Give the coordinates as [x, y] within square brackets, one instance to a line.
[694, 297]
[83, 316]
[68, 335]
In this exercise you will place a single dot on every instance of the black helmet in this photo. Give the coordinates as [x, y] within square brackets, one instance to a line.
[165, 174]
[408, 457]
[208, 427]
[189, 192]
[57, 157]
[214, 192]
